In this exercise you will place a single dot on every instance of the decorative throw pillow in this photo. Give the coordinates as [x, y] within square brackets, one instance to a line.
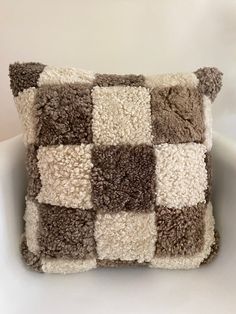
[119, 167]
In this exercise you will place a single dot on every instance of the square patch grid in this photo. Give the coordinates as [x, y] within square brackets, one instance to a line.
[118, 167]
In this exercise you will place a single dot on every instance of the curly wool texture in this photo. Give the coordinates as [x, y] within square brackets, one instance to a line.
[32, 260]
[121, 115]
[64, 114]
[66, 232]
[168, 80]
[181, 174]
[189, 262]
[177, 115]
[126, 236]
[31, 218]
[24, 75]
[210, 81]
[65, 175]
[119, 168]
[56, 75]
[34, 182]
[67, 266]
[26, 109]
[180, 232]
[119, 80]
[123, 178]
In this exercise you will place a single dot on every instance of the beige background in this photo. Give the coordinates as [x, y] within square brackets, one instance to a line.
[122, 36]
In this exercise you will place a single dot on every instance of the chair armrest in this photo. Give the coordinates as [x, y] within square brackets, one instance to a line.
[12, 191]
[224, 195]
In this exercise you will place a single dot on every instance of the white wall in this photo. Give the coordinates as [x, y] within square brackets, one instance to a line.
[120, 36]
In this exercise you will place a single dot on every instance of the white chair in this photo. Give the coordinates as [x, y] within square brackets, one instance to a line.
[209, 289]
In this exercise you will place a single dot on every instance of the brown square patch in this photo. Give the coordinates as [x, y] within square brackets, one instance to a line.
[106, 80]
[123, 178]
[34, 182]
[180, 232]
[66, 232]
[177, 115]
[64, 114]
[24, 75]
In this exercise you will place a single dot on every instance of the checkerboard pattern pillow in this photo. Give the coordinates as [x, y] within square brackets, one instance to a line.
[119, 168]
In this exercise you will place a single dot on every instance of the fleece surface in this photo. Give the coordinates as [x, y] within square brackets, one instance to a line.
[123, 178]
[64, 114]
[181, 174]
[65, 175]
[115, 123]
[132, 236]
[119, 168]
[177, 115]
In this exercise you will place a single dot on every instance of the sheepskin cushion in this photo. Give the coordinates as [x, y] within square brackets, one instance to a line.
[119, 168]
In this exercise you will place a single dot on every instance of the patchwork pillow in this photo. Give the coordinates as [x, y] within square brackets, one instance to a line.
[119, 168]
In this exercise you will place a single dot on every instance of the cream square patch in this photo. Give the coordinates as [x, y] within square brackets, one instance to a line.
[31, 218]
[56, 75]
[181, 174]
[121, 115]
[65, 175]
[66, 266]
[168, 80]
[126, 236]
[26, 110]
